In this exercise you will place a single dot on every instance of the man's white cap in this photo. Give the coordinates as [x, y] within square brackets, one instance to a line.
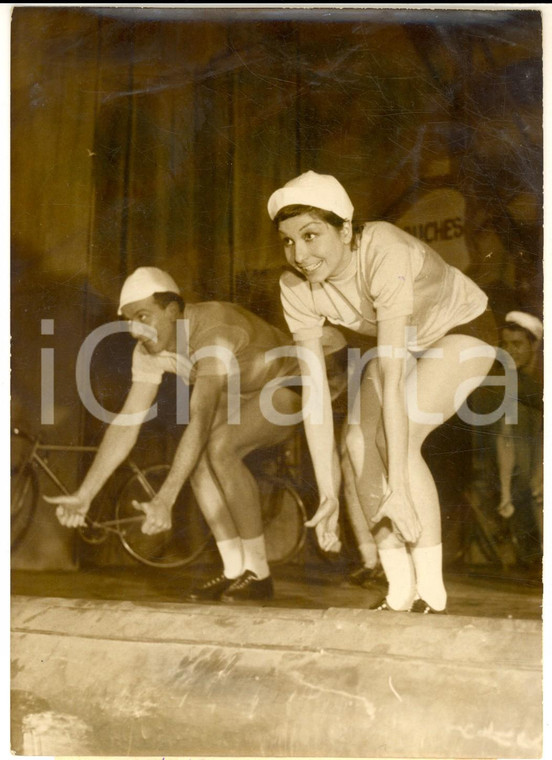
[312, 189]
[528, 321]
[144, 282]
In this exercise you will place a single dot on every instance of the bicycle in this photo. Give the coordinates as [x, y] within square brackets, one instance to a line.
[282, 507]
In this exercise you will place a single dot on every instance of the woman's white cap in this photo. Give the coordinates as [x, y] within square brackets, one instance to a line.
[527, 321]
[144, 282]
[312, 189]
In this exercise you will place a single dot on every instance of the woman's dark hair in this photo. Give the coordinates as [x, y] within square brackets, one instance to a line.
[164, 299]
[287, 212]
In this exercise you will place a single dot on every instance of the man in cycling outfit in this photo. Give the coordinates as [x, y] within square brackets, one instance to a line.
[219, 349]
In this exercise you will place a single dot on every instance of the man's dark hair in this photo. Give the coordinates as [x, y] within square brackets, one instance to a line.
[164, 299]
[518, 328]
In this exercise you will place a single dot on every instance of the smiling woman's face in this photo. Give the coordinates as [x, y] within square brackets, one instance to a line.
[314, 247]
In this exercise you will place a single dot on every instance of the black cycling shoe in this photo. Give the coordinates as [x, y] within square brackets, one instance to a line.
[382, 606]
[211, 590]
[424, 608]
[248, 587]
[365, 575]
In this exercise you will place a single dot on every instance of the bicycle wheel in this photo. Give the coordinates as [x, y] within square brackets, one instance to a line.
[24, 497]
[23, 486]
[183, 543]
[284, 517]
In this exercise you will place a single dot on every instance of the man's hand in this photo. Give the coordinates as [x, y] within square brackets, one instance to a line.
[506, 509]
[398, 507]
[158, 515]
[324, 522]
[70, 510]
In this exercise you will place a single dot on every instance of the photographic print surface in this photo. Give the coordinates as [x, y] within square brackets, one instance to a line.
[150, 139]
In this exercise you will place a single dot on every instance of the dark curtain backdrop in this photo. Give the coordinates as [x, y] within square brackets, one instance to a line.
[155, 136]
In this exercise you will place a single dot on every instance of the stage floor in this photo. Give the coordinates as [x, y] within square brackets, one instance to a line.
[400, 681]
[477, 590]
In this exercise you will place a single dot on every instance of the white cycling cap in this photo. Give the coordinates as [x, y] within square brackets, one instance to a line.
[531, 323]
[144, 282]
[312, 189]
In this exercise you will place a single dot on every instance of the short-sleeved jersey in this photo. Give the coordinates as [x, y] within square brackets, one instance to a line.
[391, 274]
[219, 339]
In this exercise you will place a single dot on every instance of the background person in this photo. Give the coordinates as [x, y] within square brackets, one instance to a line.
[378, 280]
[519, 446]
[211, 450]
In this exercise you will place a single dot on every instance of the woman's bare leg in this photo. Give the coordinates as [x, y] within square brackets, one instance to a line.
[366, 542]
[436, 388]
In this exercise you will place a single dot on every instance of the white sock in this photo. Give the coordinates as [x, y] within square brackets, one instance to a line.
[399, 571]
[369, 554]
[428, 562]
[254, 556]
[231, 552]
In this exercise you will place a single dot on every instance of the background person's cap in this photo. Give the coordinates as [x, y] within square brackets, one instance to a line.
[144, 282]
[312, 189]
[527, 321]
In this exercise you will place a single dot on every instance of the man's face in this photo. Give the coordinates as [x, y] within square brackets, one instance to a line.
[152, 325]
[519, 346]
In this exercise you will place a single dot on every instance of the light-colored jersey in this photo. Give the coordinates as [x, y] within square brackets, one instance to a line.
[391, 274]
[219, 339]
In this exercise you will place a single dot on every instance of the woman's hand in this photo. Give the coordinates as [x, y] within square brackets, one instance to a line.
[324, 522]
[158, 515]
[70, 509]
[398, 507]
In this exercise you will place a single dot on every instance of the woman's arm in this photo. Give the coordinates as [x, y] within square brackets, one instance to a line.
[319, 431]
[397, 503]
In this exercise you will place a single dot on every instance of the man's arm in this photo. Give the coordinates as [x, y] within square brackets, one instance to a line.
[205, 399]
[115, 447]
[505, 455]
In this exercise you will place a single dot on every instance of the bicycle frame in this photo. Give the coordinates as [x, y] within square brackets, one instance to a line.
[141, 487]
[34, 457]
